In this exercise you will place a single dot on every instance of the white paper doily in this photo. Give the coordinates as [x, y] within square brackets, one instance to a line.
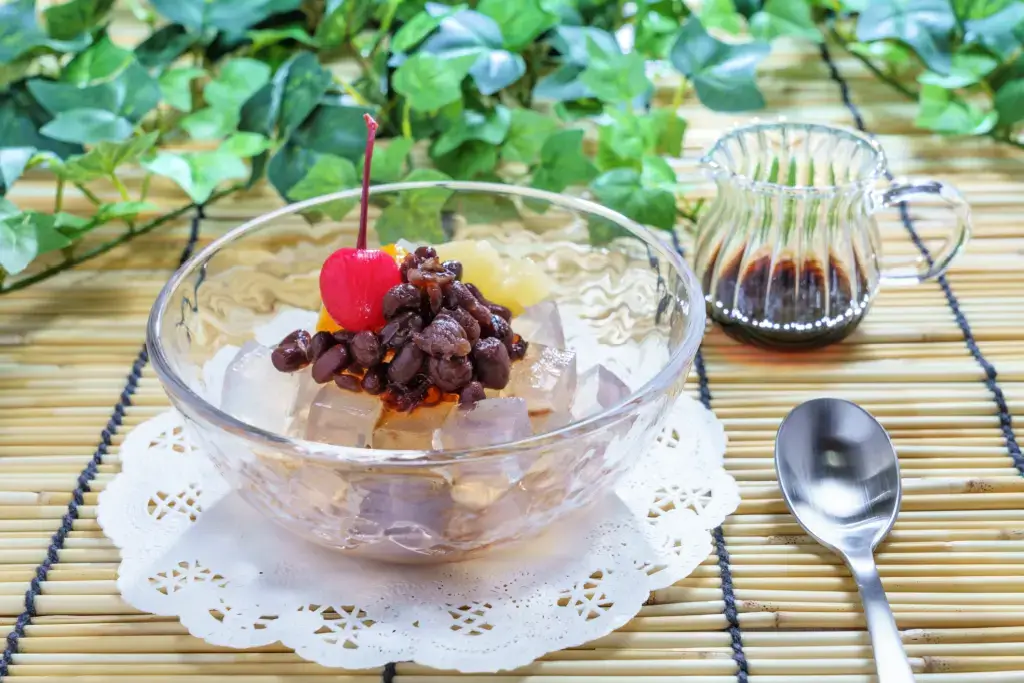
[190, 548]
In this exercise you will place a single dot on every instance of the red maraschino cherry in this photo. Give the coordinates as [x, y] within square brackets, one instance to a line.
[353, 282]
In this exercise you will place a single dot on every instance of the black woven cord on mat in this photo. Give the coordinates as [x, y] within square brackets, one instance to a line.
[1005, 417]
[724, 565]
[84, 478]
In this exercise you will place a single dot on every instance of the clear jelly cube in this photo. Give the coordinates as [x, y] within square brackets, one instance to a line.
[545, 379]
[256, 392]
[487, 422]
[413, 430]
[541, 324]
[342, 418]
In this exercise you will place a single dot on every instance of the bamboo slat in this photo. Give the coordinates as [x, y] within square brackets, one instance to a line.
[954, 565]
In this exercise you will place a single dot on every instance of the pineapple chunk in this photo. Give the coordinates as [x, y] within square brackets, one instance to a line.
[514, 283]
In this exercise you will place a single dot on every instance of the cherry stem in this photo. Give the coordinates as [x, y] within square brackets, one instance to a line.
[371, 136]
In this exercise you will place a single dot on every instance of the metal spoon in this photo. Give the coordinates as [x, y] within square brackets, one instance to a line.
[840, 477]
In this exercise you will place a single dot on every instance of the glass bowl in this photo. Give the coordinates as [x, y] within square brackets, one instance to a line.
[633, 304]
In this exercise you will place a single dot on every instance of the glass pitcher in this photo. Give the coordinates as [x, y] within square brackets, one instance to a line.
[789, 252]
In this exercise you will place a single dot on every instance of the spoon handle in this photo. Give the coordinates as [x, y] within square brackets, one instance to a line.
[890, 658]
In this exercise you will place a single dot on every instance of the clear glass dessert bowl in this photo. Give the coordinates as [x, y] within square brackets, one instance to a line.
[628, 302]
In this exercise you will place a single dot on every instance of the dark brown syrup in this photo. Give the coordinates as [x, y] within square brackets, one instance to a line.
[787, 307]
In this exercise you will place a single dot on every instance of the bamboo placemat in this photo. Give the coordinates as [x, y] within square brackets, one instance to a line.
[769, 606]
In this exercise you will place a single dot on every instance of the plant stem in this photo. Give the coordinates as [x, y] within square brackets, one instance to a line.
[406, 120]
[680, 94]
[352, 92]
[121, 189]
[869, 65]
[58, 202]
[144, 190]
[88, 194]
[107, 246]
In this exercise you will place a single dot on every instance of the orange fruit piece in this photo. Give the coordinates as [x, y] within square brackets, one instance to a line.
[325, 323]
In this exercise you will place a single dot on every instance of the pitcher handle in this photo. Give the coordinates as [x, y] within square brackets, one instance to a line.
[934, 264]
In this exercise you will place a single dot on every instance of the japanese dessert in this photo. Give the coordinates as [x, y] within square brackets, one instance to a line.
[409, 353]
[412, 402]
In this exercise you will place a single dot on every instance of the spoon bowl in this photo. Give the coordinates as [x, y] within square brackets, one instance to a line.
[840, 476]
[839, 473]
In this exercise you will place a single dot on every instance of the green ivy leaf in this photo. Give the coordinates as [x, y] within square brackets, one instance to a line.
[613, 76]
[469, 161]
[942, 112]
[414, 31]
[87, 126]
[967, 68]
[1009, 102]
[785, 18]
[302, 82]
[889, 52]
[496, 70]
[122, 211]
[176, 87]
[164, 46]
[429, 82]
[526, 134]
[237, 81]
[13, 161]
[71, 19]
[656, 174]
[18, 243]
[264, 38]
[198, 173]
[416, 214]
[722, 14]
[226, 15]
[722, 74]
[20, 33]
[103, 159]
[471, 34]
[562, 162]
[210, 123]
[388, 161]
[329, 174]
[655, 33]
[624, 190]
[520, 22]
[72, 226]
[26, 235]
[342, 19]
[924, 25]
[330, 129]
[7, 208]
[485, 209]
[21, 117]
[102, 62]
[562, 85]
[669, 128]
[624, 141]
[490, 127]
[334, 129]
[572, 42]
[1002, 32]
[48, 238]
[245, 145]
[132, 94]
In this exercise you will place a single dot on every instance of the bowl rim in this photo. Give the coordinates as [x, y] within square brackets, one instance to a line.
[180, 391]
